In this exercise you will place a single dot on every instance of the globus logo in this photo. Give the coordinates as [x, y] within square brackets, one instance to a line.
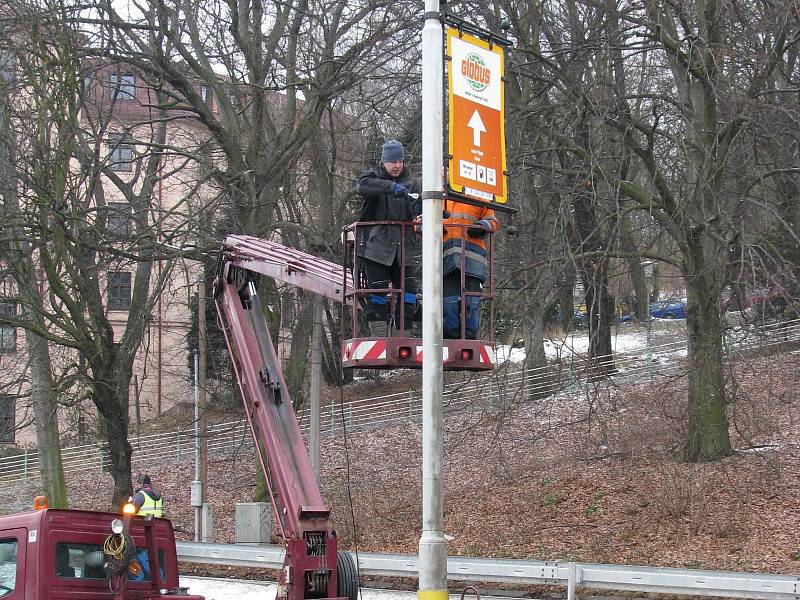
[475, 70]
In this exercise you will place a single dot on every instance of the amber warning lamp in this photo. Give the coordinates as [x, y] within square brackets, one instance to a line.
[129, 508]
[40, 503]
[135, 568]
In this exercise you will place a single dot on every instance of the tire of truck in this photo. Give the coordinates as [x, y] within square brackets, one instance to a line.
[347, 576]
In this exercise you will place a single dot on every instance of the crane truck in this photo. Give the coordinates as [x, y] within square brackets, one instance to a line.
[313, 567]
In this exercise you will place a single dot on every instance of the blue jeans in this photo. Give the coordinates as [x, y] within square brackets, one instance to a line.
[451, 309]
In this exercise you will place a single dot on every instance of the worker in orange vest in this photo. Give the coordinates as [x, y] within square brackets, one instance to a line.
[466, 229]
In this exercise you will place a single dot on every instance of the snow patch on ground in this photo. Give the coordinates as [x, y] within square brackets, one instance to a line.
[225, 589]
[626, 339]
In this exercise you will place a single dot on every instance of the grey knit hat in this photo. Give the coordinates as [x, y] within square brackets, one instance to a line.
[392, 151]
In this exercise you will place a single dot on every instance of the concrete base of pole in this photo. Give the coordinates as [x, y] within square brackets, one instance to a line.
[433, 566]
[207, 535]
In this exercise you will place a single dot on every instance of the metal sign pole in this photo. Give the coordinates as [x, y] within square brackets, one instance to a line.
[432, 543]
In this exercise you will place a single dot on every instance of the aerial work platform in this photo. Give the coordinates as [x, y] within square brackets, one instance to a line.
[248, 257]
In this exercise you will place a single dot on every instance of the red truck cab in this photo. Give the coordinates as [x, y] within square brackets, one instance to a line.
[68, 554]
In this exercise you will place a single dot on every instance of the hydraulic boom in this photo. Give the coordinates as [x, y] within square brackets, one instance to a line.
[312, 567]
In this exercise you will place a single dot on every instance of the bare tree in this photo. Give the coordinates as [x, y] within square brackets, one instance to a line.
[651, 110]
[17, 257]
[74, 147]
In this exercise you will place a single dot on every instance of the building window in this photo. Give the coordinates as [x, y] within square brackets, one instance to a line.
[7, 65]
[8, 411]
[8, 333]
[206, 95]
[120, 152]
[119, 290]
[123, 87]
[119, 220]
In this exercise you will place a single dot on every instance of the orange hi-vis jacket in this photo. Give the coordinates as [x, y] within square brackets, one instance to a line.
[461, 217]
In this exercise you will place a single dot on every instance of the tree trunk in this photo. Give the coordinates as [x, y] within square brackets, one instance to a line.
[535, 355]
[45, 408]
[566, 291]
[538, 379]
[593, 271]
[295, 369]
[655, 289]
[261, 493]
[113, 409]
[332, 355]
[599, 309]
[637, 275]
[708, 437]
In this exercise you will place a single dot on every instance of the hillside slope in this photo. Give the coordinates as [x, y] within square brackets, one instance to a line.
[595, 479]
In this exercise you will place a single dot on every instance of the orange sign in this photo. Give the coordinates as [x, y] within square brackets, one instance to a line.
[477, 140]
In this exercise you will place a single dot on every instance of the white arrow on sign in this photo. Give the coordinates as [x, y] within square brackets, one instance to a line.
[476, 123]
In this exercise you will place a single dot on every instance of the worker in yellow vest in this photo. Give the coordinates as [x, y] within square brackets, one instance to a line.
[147, 500]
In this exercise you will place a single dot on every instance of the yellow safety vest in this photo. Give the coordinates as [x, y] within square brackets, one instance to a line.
[151, 507]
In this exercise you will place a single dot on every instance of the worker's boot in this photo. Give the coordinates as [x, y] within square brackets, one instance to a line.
[379, 329]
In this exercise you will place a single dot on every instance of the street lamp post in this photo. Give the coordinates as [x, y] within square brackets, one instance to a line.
[432, 543]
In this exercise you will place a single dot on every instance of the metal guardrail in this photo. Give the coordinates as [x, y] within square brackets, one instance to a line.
[570, 574]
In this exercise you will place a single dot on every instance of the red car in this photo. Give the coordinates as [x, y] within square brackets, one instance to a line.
[753, 297]
[764, 295]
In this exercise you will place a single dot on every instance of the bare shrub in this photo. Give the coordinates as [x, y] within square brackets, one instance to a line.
[679, 493]
[642, 420]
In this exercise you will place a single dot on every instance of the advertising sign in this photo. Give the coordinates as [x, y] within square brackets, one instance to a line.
[476, 98]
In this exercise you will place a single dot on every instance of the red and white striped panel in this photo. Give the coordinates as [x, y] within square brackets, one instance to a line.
[365, 350]
[445, 354]
[488, 355]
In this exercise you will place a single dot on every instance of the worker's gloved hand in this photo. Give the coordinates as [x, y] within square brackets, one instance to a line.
[399, 188]
[479, 229]
[414, 203]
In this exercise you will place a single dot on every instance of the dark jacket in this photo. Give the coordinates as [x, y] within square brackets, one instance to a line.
[381, 243]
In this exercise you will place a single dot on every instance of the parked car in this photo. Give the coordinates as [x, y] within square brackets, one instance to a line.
[668, 309]
[754, 298]
[765, 295]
